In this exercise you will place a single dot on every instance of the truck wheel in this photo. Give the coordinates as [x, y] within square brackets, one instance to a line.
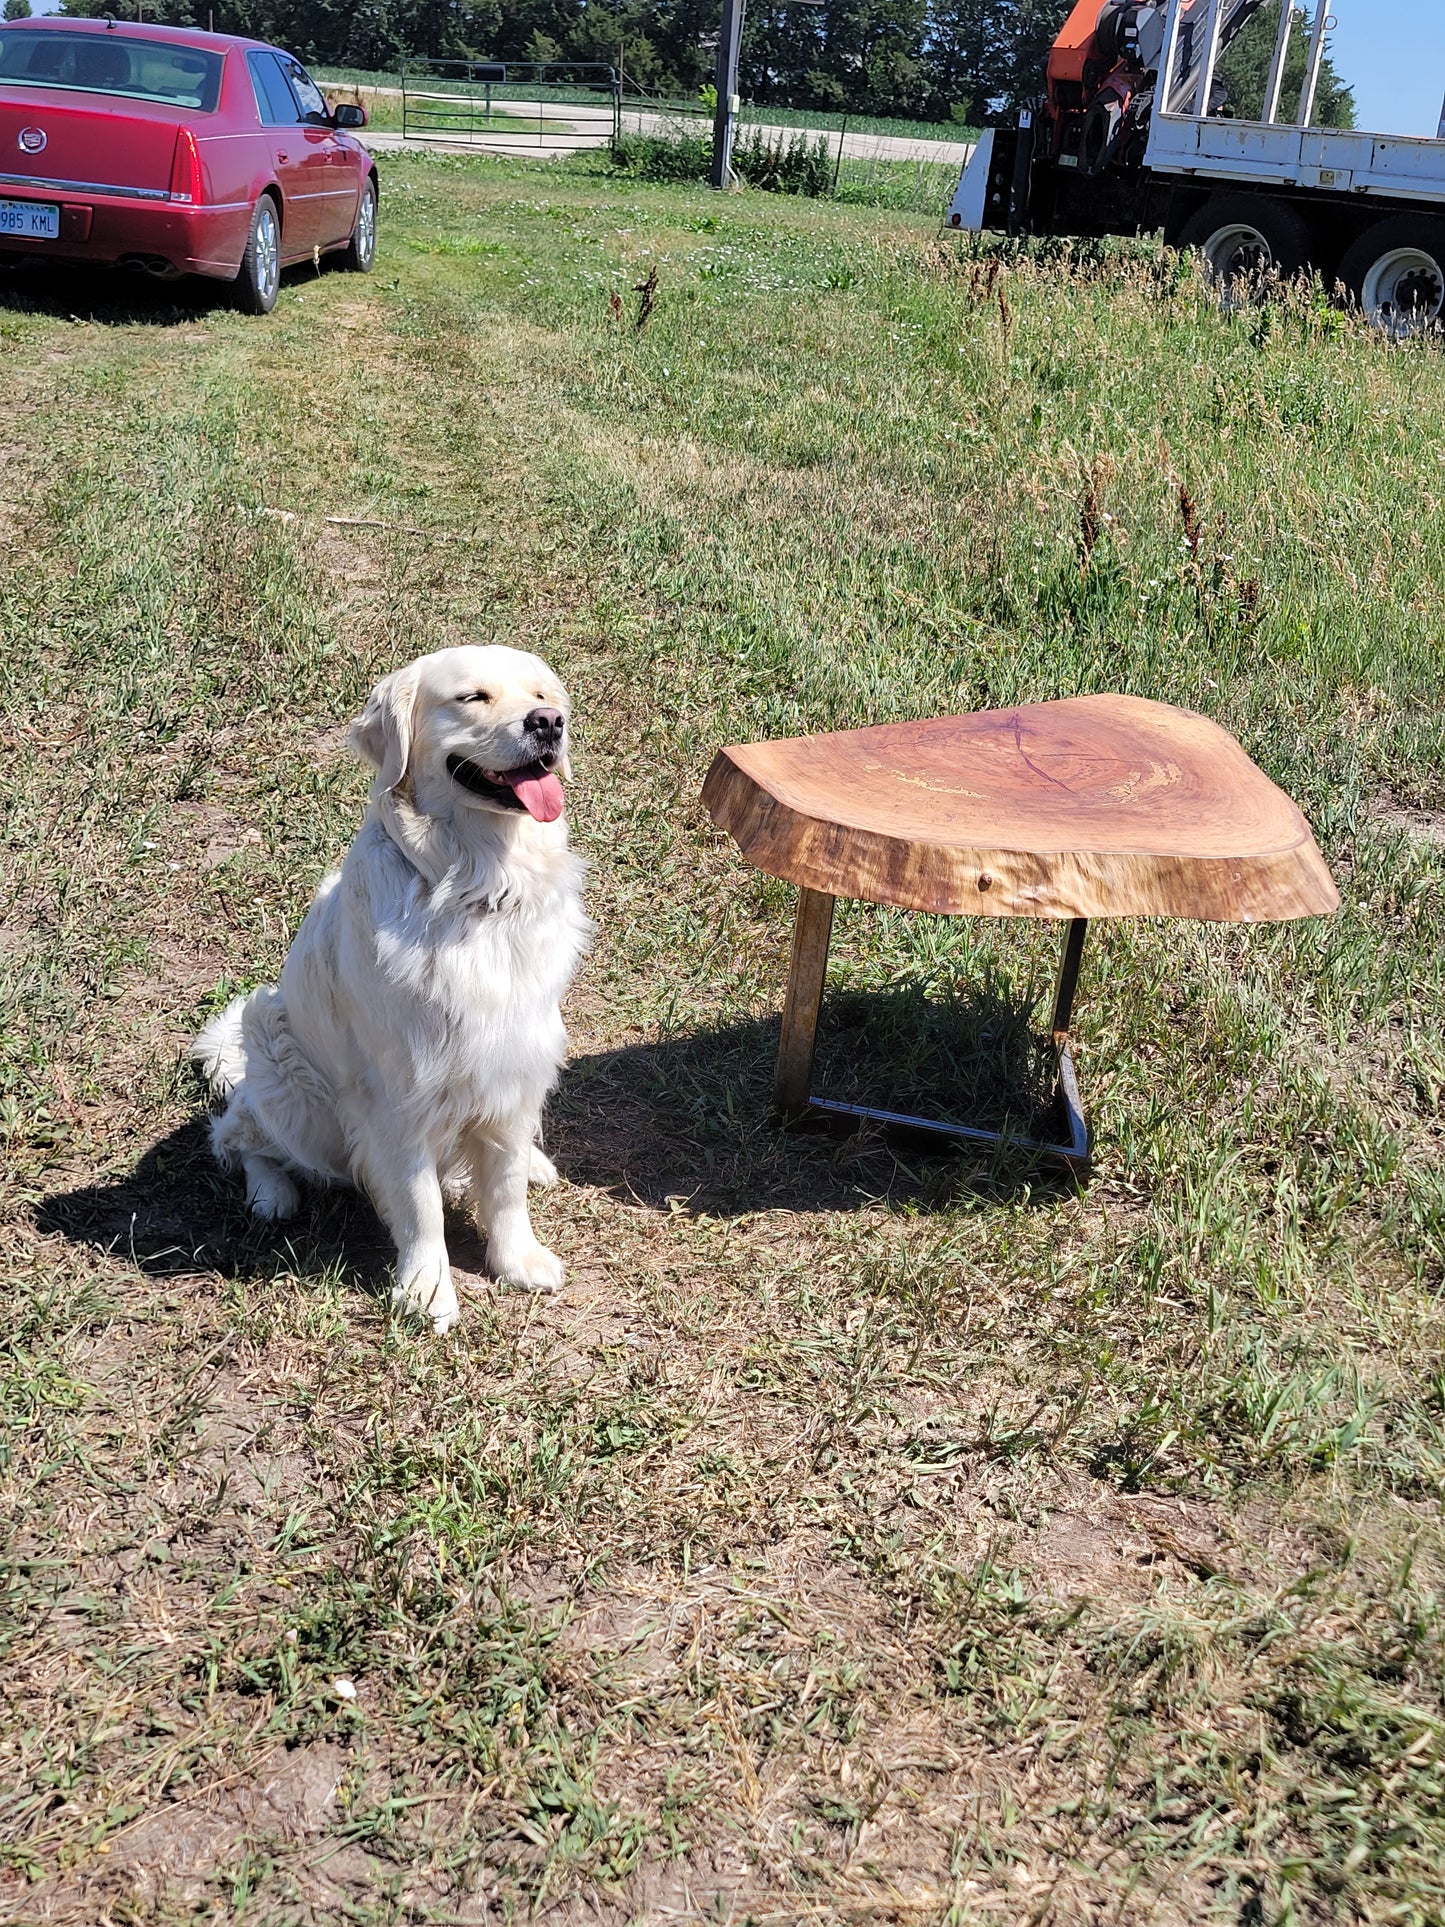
[1396, 272]
[1245, 237]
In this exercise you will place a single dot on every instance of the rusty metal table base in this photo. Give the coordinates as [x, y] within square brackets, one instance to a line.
[795, 1101]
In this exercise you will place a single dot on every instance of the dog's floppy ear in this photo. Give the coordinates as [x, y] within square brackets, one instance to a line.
[381, 734]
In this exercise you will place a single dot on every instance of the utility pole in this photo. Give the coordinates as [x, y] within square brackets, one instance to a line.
[729, 41]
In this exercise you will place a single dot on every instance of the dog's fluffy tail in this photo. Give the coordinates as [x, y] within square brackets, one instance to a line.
[218, 1052]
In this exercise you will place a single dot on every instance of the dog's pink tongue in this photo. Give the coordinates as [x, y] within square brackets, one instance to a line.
[541, 796]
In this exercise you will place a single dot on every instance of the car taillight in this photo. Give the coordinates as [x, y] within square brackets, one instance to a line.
[186, 183]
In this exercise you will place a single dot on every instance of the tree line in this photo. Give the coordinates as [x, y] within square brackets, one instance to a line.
[969, 61]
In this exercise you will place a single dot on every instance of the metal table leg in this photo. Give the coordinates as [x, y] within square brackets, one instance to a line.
[795, 1101]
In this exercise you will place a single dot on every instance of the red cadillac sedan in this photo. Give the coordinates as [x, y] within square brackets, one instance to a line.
[176, 153]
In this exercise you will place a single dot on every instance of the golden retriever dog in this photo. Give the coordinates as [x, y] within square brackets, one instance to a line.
[416, 1030]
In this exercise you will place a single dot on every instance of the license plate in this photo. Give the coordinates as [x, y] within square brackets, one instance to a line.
[30, 220]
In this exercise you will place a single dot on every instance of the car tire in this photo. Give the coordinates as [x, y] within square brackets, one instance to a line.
[1395, 273]
[1246, 237]
[360, 251]
[259, 280]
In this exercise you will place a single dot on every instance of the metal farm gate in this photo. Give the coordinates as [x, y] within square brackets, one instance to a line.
[526, 106]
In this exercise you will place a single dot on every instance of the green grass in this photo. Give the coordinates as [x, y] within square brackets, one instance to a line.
[793, 164]
[863, 1537]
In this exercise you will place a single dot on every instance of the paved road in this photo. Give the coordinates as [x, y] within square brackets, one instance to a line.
[564, 127]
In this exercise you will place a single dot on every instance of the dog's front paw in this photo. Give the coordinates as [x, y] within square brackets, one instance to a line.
[428, 1294]
[532, 1267]
[270, 1193]
[541, 1171]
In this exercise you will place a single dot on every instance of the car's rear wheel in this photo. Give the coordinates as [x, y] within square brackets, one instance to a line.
[1244, 239]
[259, 280]
[1396, 272]
[360, 250]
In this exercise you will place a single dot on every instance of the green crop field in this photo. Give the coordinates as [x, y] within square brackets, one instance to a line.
[863, 1537]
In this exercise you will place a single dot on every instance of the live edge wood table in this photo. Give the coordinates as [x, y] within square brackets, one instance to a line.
[1100, 806]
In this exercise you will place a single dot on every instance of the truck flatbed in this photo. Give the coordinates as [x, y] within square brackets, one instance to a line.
[1134, 134]
[1398, 167]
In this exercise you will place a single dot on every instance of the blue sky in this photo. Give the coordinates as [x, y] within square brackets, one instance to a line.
[1391, 51]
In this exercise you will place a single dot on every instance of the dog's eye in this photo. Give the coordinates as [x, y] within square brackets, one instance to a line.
[475, 696]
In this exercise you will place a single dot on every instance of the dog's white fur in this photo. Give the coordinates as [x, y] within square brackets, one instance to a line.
[416, 1030]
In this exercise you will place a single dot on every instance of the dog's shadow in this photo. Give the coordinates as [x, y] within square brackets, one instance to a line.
[681, 1123]
[176, 1214]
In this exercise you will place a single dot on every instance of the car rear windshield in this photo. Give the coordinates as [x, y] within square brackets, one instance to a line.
[111, 63]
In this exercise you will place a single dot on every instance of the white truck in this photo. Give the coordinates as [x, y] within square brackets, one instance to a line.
[1133, 133]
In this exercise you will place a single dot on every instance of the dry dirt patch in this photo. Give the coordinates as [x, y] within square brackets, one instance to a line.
[1424, 826]
[167, 1860]
[212, 830]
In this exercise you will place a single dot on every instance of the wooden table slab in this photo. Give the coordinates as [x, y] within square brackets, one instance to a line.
[1097, 806]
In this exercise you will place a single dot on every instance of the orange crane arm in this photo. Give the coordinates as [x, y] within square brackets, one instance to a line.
[1070, 52]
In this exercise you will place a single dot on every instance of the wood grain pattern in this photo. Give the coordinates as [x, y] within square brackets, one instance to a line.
[1098, 806]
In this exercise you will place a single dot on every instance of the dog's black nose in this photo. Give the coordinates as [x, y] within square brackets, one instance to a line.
[546, 725]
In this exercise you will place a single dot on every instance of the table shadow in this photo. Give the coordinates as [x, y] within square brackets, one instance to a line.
[684, 1122]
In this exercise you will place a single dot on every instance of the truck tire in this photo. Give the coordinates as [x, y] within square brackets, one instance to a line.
[1395, 273]
[1245, 237]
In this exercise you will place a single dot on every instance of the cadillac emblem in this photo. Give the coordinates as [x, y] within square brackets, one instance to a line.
[32, 140]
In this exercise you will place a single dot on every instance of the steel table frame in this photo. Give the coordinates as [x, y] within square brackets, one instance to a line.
[795, 1101]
